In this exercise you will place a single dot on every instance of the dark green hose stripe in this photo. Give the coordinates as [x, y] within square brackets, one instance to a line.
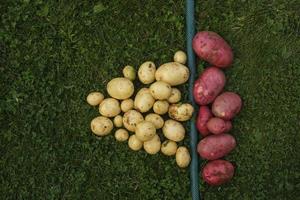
[194, 166]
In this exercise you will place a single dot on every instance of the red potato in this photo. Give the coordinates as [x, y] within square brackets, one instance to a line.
[227, 105]
[214, 147]
[217, 172]
[209, 84]
[228, 126]
[204, 115]
[212, 48]
[217, 125]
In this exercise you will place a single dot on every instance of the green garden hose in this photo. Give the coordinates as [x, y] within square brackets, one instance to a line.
[194, 166]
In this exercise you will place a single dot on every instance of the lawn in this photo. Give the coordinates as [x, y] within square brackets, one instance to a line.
[53, 53]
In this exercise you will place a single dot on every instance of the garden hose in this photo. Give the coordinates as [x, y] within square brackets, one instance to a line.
[194, 166]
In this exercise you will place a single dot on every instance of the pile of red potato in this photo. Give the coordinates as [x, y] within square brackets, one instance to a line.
[217, 107]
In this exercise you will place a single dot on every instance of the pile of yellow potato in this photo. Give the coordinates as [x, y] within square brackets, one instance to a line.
[141, 115]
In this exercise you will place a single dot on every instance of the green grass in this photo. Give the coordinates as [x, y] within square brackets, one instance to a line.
[53, 54]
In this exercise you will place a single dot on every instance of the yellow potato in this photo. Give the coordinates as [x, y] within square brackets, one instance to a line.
[175, 96]
[118, 121]
[155, 119]
[131, 118]
[94, 98]
[109, 107]
[180, 57]
[126, 105]
[169, 148]
[183, 157]
[152, 146]
[173, 130]
[101, 126]
[146, 72]
[172, 73]
[181, 112]
[121, 135]
[161, 107]
[129, 72]
[120, 88]
[134, 143]
[160, 90]
[143, 101]
[145, 131]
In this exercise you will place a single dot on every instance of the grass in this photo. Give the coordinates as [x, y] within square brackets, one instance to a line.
[53, 53]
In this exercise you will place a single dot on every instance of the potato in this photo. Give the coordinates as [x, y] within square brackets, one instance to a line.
[145, 131]
[143, 101]
[228, 126]
[217, 172]
[161, 107]
[131, 118]
[144, 91]
[175, 96]
[181, 112]
[214, 147]
[172, 73]
[94, 98]
[146, 72]
[118, 121]
[101, 126]
[180, 57]
[211, 47]
[152, 146]
[155, 119]
[109, 107]
[134, 143]
[183, 157]
[129, 72]
[121, 135]
[209, 84]
[169, 148]
[160, 90]
[227, 105]
[203, 117]
[173, 130]
[126, 105]
[216, 125]
[120, 88]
